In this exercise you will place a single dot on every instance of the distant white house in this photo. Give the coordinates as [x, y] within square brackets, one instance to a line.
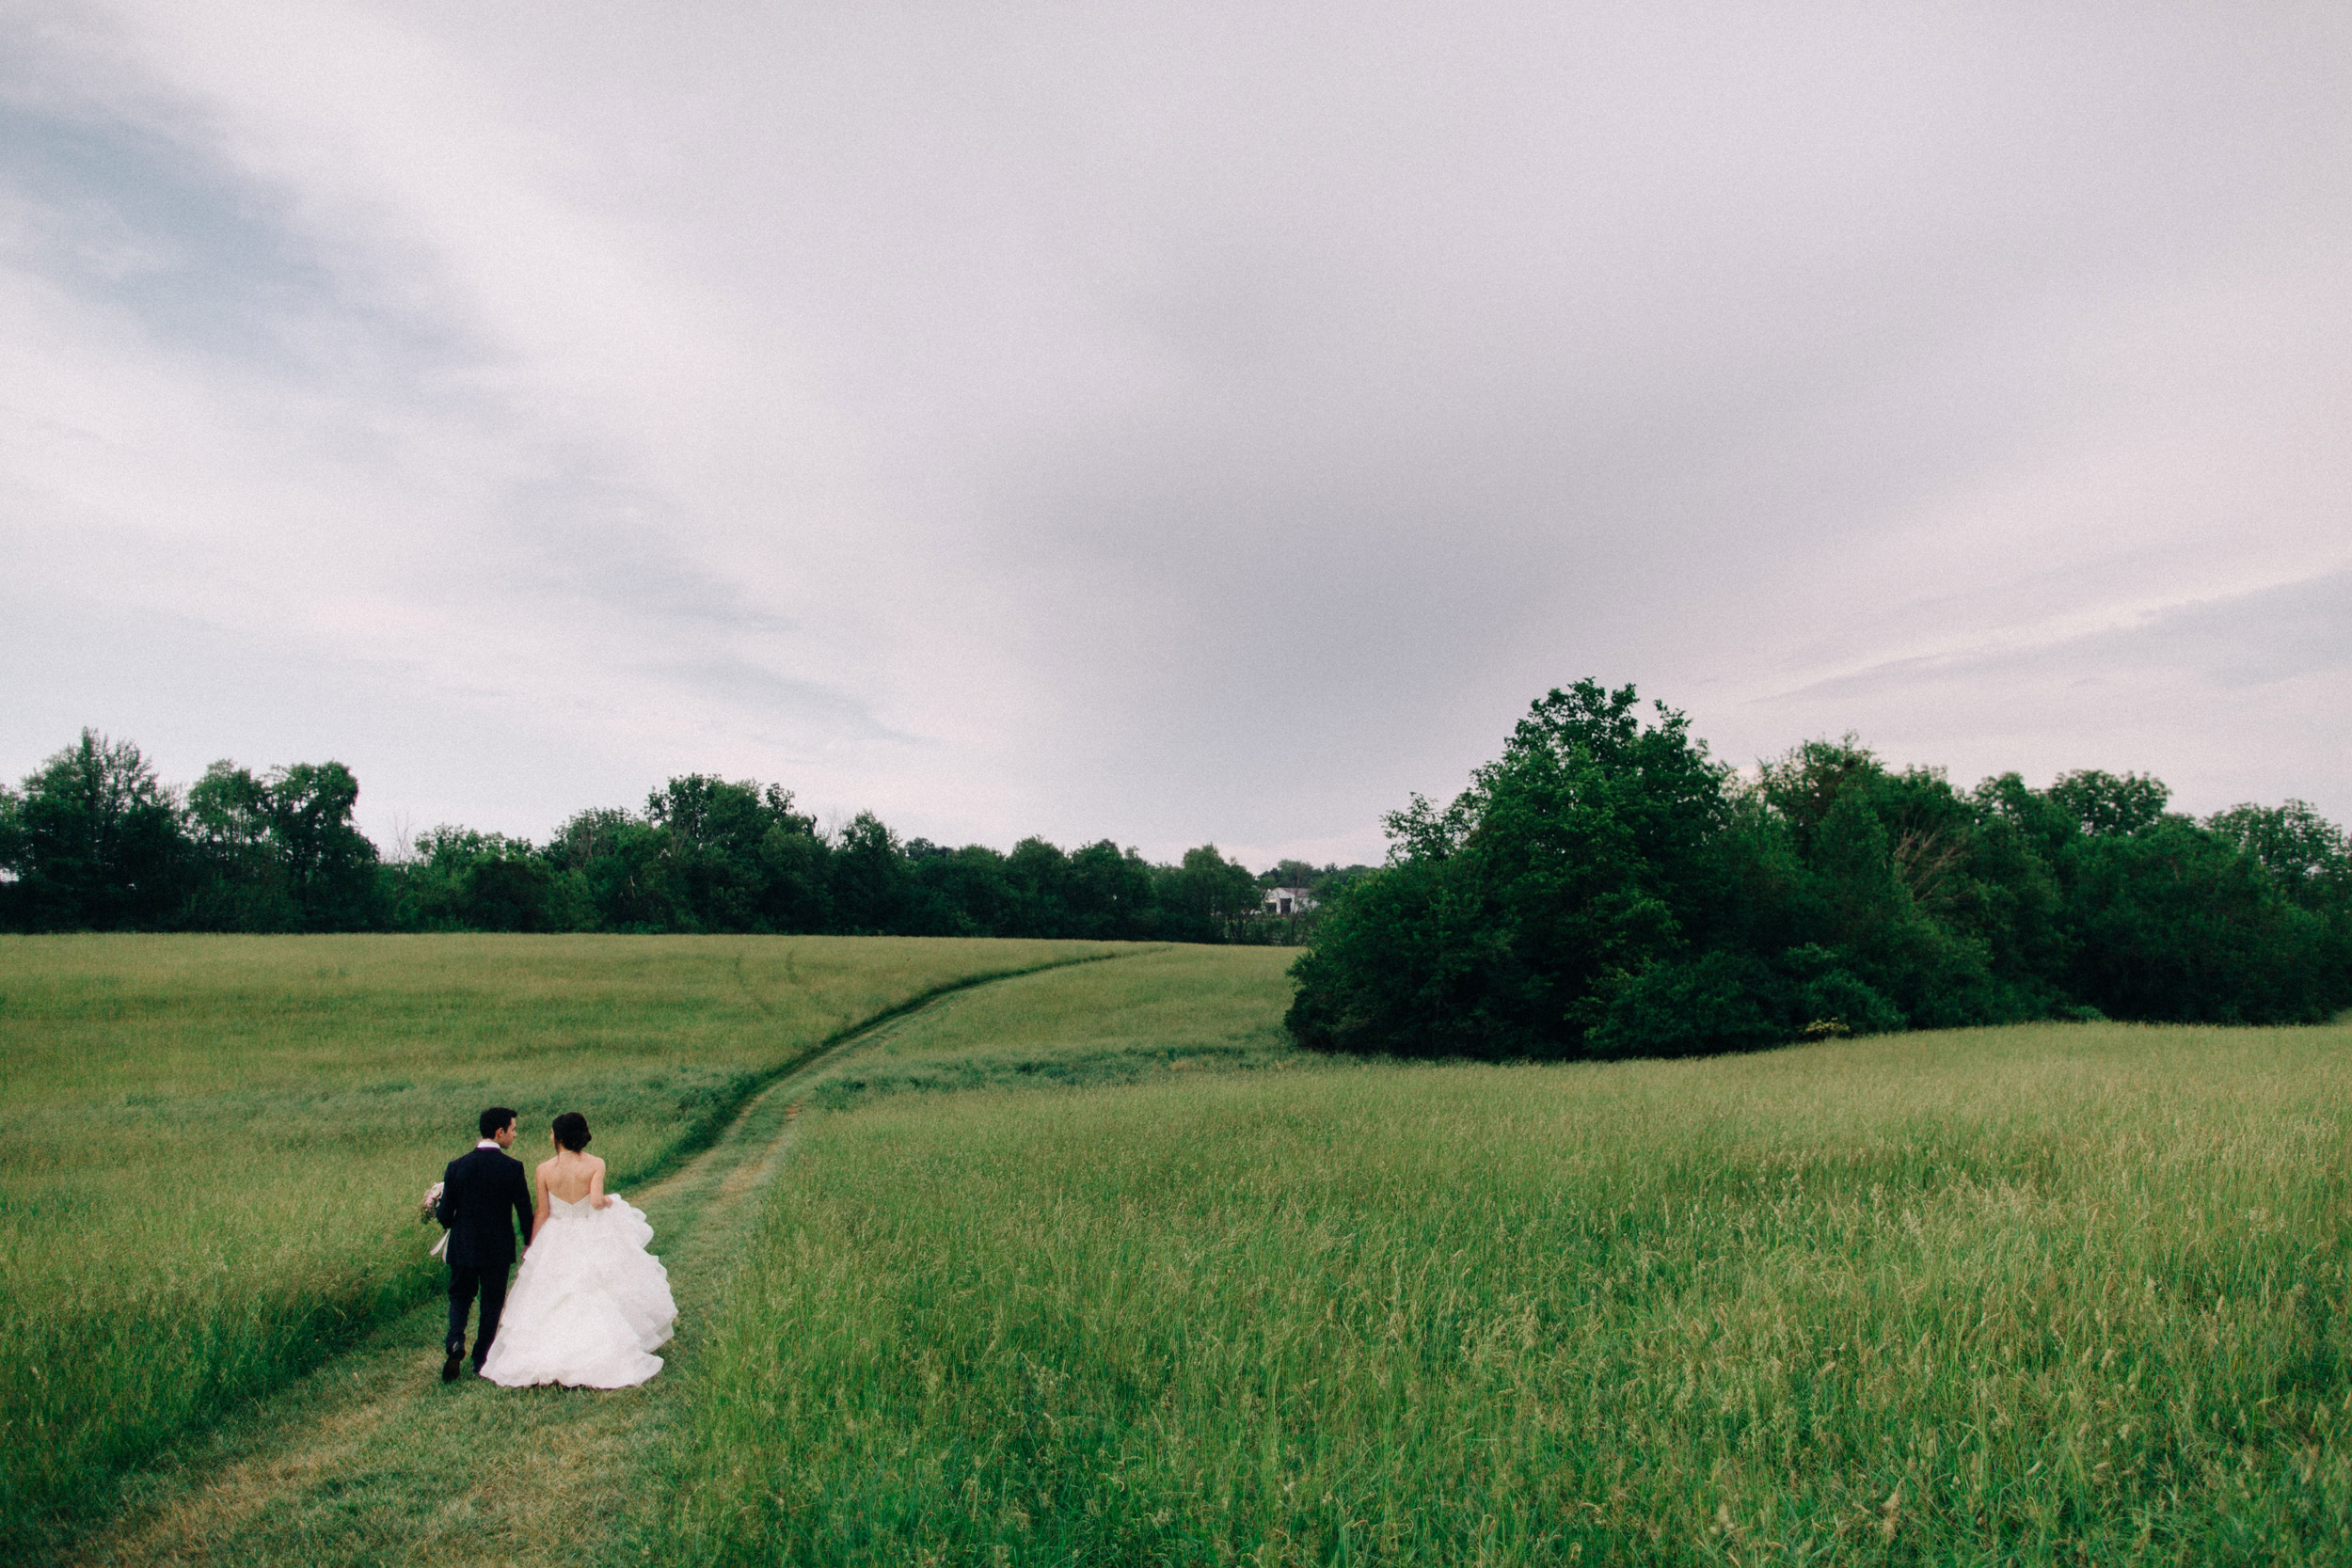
[1288, 900]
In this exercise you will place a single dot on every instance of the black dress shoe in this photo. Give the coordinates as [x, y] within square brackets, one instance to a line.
[448, 1368]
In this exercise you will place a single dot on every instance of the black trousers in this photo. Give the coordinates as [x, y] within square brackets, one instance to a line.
[464, 1283]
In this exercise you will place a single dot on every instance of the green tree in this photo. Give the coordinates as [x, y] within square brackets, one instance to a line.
[96, 843]
[1914, 887]
[1602, 890]
[2309, 857]
[240, 876]
[1037, 873]
[2164, 920]
[871, 884]
[12, 843]
[796, 878]
[2179, 925]
[735, 856]
[1204, 895]
[963, 891]
[1408, 962]
[461, 879]
[1509, 921]
[2103, 804]
[1108, 894]
[330, 866]
[617, 859]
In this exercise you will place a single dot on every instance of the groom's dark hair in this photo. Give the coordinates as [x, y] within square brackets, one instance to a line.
[496, 1118]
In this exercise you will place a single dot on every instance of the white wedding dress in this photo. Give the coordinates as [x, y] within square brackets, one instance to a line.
[590, 1305]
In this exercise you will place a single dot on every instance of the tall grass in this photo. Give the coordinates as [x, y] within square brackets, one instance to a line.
[2056, 1293]
[209, 1147]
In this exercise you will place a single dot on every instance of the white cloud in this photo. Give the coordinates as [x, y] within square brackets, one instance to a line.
[1097, 422]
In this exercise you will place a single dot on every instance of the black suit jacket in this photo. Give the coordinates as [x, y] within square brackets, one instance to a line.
[478, 1193]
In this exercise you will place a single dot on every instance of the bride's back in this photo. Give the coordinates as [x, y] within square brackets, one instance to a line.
[569, 1176]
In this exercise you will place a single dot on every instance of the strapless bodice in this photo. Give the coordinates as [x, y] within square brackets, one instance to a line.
[563, 1209]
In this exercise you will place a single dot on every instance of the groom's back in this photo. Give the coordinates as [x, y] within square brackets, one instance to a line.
[484, 1195]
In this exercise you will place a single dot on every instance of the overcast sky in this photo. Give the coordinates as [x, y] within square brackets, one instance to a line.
[1170, 422]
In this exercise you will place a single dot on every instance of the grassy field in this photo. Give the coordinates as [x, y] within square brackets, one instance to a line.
[1179, 1010]
[2048, 1294]
[210, 1147]
[1089, 1266]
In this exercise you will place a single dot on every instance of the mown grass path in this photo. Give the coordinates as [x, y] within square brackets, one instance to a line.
[371, 1459]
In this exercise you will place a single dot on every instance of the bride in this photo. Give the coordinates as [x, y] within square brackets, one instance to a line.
[589, 1304]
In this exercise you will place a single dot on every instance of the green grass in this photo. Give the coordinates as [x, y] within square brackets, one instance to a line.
[1054, 1274]
[210, 1148]
[1180, 1010]
[2047, 1294]
[371, 1459]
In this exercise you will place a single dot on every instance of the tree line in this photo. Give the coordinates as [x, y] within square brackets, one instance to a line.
[95, 841]
[1606, 889]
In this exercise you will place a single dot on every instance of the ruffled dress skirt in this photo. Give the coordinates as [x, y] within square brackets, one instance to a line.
[590, 1305]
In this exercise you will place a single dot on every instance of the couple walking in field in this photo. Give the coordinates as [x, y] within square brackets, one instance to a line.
[590, 1305]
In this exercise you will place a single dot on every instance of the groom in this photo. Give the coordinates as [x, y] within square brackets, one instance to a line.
[484, 1196]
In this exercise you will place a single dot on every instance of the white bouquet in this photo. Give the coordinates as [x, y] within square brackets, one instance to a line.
[429, 1210]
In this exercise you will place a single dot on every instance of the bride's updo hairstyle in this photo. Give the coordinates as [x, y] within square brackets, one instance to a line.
[571, 1131]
